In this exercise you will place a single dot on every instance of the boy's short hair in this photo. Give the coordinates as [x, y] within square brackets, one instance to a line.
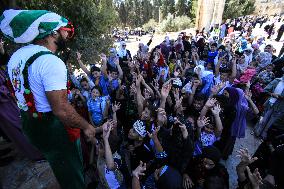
[95, 68]
[83, 80]
[214, 44]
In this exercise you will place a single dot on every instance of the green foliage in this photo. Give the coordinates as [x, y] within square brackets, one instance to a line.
[175, 24]
[168, 25]
[181, 7]
[192, 8]
[236, 8]
[92, 20]
[168, 7]
[183, 22]
[134, 13]
[150, 25]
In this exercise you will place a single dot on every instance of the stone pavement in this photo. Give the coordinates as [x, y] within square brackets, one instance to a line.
[24, 174]
[249, 142]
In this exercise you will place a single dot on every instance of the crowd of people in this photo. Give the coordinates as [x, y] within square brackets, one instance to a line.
[163, 118]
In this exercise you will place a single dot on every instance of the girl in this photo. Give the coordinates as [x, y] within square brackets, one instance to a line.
[97, 106]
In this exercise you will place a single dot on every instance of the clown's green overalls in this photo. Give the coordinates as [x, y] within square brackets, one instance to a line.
[59, 144]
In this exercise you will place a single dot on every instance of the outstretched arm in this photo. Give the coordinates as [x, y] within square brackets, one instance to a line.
[107, 127]
[84, 68]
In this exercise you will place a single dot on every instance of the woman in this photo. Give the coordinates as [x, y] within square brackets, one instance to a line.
[124, 56]
[241, 102]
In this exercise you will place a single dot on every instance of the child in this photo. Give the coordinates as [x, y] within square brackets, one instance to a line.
[97, 106]
[207, 134]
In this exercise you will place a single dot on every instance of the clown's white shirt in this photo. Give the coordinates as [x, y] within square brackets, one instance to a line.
[47, 73]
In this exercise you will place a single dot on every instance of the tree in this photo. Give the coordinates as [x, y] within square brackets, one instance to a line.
[156, 9]
[123, 13]
[172, 8]
[147, 11]
[191, 9]
[181, 7]
[236, 8]
[165, 8]
[92, 20]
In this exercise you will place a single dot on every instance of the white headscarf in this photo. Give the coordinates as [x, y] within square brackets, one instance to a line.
[122, 52]
[203, 72]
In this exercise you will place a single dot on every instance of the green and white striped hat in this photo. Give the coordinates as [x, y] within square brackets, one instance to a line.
[23, 26]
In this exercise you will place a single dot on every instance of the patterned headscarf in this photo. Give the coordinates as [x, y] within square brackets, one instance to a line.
[24, 26]
[264, 59]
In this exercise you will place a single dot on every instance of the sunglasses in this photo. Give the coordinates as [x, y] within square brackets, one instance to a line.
[70, 29]
[124, 45]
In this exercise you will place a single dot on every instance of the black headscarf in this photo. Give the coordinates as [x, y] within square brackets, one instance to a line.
[211, 152]
[170, 179]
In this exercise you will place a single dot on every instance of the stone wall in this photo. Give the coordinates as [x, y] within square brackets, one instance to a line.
[269, 7]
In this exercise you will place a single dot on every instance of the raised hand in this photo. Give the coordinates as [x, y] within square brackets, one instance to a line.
[246, 158]
[147, 95]
[139, 171]
[107, 127]
[155, 84]
[78, 54]
[187, 182]
[154, 134]
[116, 106]
[202, 122]
[165, 90]
[248, 95]
[176, 94]
[181, 126]
[216, 109]
[254, 178]
[139, 80]
[210, 102]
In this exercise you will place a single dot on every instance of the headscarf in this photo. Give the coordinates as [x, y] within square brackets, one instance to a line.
[243, 46]
[122, 52]
[167, 39]
[24, 26]
[145, 49]
[204, 73]
[264, 59]
[248, 58]
[170, 179]
[207, 80]
[140, 127]
[238, 100]
[212, 153]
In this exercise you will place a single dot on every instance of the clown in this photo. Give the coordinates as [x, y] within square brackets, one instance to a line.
[49, 121]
